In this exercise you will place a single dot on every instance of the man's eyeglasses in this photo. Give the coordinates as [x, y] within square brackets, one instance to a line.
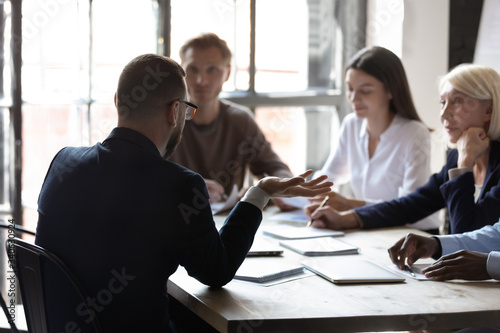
[190, 110]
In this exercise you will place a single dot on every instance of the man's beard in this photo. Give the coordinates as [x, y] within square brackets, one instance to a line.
[172, 144]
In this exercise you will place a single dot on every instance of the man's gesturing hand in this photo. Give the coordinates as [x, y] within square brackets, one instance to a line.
[295, 186]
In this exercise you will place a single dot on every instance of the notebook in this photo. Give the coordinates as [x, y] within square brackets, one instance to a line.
[262, 271]
[286, 231]
[324, 246]
[355, 271]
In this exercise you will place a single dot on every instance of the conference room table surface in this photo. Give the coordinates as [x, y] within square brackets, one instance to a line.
[314, 304]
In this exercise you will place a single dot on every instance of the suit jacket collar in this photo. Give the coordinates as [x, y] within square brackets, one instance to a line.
[132, 136]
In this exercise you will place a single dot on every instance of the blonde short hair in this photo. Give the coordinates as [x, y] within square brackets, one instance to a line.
[479, 82]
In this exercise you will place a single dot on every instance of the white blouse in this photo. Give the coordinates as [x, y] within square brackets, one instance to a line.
[400, 163]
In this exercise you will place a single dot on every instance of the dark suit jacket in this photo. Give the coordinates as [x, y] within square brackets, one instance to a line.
[457, 195]
[124, 219]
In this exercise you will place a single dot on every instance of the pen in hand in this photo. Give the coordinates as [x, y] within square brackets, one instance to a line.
[410, 270]
[322, 204]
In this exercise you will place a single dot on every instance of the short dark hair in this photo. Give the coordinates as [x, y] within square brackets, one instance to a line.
[386, 67]
[148, 82]
[205, 41]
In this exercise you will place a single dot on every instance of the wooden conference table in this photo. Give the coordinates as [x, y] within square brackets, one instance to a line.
[313, 304]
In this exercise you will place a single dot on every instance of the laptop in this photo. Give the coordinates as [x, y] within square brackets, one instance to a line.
[352, 271]
[262, 248]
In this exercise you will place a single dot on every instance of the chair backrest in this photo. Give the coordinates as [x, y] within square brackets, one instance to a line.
[31, 263]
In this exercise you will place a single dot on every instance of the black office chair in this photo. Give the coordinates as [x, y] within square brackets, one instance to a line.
[31, 262]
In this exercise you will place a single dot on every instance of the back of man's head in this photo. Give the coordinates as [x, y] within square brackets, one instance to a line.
[147, 84]
[205, 41]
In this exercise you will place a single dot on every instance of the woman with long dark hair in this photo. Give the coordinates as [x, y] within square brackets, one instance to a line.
[384, 148]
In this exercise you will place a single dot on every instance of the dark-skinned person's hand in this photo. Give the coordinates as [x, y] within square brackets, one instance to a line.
[463, 264]
[413, 247]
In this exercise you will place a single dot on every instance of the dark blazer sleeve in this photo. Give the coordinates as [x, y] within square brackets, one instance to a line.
[209, 256]
[457, 195]
[464, 213]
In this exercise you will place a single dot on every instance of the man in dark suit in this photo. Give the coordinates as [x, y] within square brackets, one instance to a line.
[123, 218]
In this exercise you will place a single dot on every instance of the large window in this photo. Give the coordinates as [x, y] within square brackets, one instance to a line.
[286, 67]
[73, 52]
[8, 164]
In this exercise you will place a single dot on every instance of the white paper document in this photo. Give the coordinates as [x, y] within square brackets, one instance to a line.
[285, 231]
[323, 246]
[416, 271]
[297, 215]
[229, 203]
[262, 271]
[299, 202]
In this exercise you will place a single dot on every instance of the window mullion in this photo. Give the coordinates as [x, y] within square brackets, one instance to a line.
[164, 28]
[251, 87]
[16, 48]
[90, 74]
